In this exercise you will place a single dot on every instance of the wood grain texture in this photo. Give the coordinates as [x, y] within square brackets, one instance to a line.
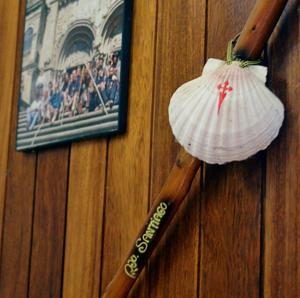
[215, 248]
[231, 207]
[127, 187]
[179, 58]
[17, 225]
[160, 216]
[84, 220]
[20, 179]
[47, 249]
[282, 206]
[258, 28]
[9, 13]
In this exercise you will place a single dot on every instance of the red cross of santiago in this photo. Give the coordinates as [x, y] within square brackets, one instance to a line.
[223, 88]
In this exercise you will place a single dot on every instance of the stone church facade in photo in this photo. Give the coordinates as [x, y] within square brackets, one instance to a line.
[61, 34]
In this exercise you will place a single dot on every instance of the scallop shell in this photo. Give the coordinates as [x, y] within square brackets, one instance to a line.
[227, 114]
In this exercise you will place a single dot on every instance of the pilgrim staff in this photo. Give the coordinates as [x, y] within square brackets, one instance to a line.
[249, 46]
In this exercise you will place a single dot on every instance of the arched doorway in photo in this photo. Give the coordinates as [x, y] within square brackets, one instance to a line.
[76, 77]
[77, 47]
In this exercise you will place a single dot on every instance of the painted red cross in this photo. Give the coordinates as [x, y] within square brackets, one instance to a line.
[223, 92]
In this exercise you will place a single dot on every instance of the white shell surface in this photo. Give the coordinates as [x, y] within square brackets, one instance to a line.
[227, 114]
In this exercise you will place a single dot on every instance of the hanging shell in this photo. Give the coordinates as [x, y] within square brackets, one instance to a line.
[227, 114]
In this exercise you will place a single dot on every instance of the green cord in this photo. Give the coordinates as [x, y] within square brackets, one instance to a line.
[231, 57]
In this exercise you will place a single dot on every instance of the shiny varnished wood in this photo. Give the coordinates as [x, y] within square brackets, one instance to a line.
[231, 205]
[236, 238]
[7, 61]
[175, 189]
[84, 219]
[173, 69]
[47, 245]
[19, 176]
[258, 28]
[172, 195]
[127, 188]
[282, 198]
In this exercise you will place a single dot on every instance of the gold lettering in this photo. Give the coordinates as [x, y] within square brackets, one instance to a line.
[161, 211]
[164, 205]
[131, 268]
[141, 245]
[149, 234]
[146, 238]
[150, 230]
[157, 217]
[153, 224]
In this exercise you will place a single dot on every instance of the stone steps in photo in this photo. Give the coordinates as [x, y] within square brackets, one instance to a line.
[66, 119]
[66, 128]
[69, 126]
[53, 138]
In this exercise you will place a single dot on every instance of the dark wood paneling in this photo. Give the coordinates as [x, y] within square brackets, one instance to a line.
[7, 76]
[9, 14]
[179, 58]
[64, 233]
[85, 219]
[282, 208]
[20, 172]
[231, 209]
[17, 224]
[47, 248]
[127, 188]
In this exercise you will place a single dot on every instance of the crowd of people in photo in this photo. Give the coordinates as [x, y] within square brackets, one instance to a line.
[90, 87]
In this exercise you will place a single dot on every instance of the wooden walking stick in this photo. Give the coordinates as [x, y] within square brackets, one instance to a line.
[249, 46]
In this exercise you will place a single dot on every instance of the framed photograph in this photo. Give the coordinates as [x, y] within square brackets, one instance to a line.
[75, 70]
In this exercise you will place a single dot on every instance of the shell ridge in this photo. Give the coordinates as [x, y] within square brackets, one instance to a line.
[190, 119]
[182, 106]
[187, 108]
[178, 100]
[228, 114]
[249, 118]
[212, 65]
[256, 85]
[201, 133]
[223, 115]
[259, 71]
[217, 124]
[248, 107]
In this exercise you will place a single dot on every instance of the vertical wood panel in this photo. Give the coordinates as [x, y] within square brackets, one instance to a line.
[179, 58]
[85, 219]
[17, 221]
[9, 13]
[49, 223]
[230, 219]
[17, 225]
[109, 186]
[129, 155]
[282, 220]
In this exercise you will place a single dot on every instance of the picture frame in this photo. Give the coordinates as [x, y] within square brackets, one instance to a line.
[74, 71]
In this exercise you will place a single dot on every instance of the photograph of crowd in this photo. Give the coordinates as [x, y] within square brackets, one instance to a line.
[83, 89]
[72, 65]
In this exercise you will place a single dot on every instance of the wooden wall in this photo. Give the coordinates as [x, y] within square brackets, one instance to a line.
[69, 215]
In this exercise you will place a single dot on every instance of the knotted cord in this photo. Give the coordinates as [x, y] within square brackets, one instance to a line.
[231, 57]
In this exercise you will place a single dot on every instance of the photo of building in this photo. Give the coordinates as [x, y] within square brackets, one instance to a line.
[71, 70]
